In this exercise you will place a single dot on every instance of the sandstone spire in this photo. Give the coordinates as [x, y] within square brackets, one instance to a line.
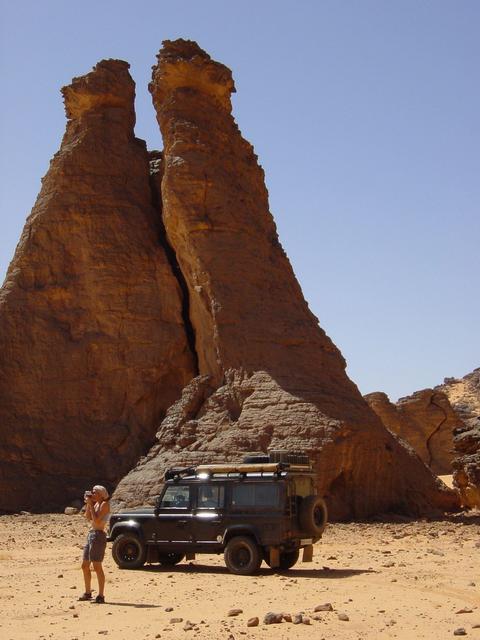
[92, 344]
[270, 375]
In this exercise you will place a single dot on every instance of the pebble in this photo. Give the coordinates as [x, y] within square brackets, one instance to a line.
[176, 620]
[234, 612]
[189, 626]
[253, 622]
[324, 607]
[343, 616]
[272, 618]
[464, 610]
[297, 618]
[306, 620]
[168, 609]
[460, 632]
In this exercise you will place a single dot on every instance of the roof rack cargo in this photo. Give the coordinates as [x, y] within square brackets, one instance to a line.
[292, 457]
[178, 472]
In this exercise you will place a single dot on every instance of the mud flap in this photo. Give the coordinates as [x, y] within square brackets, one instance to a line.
[274, 554]
[307, 553]
[189, 555]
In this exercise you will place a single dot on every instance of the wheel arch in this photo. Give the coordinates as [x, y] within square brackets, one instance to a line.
[241, 530]
[127, 528]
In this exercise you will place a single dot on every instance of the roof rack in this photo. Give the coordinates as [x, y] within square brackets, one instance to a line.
[244, 468]
[241, 468]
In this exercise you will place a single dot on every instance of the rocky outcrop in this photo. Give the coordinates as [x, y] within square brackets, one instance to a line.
[425, 420]
[270, 377]
[93, 346]
[464, 395]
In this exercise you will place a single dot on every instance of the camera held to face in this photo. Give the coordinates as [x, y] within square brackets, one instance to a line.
[87, 494]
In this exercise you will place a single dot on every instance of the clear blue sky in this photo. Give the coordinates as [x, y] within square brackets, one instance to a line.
[365, 117]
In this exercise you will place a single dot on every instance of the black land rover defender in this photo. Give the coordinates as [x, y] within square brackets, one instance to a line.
[262, 509]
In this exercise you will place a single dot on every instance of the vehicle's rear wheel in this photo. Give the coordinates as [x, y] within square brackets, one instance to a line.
[128, 551]
[170, 559]
[242, 556]
[286, 561]
[313, 515]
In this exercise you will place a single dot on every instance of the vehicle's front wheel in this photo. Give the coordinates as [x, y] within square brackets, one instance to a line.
[242, 556]
[286, 561]
[128, 551]
[170, 559]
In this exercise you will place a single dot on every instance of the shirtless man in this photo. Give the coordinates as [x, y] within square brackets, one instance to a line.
[97, 512]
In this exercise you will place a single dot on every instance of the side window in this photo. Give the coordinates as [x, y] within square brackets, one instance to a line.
[261, 495]
[211, 496]
[176, 497]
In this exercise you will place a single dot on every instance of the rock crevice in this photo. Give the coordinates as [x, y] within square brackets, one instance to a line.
[155, 180]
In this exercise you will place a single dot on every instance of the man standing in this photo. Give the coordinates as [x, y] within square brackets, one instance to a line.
[97, 512]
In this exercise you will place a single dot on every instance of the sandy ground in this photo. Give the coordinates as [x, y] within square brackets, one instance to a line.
[406, 580]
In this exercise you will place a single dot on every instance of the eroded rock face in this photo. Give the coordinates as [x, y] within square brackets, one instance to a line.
[92, 342]
[464, 395]
[270, 375]
[425, 420]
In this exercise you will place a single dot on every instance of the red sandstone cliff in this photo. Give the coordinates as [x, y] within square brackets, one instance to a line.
[92, 343]
[270, 375]
[443, 427]
[425, 420]
[464, 395]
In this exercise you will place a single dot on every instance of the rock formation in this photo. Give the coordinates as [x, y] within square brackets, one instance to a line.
[270, 377]
[464, 395]
[93, 347]
[425, 420]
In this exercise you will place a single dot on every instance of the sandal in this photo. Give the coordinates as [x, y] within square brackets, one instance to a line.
[86, 596]
[99, 600]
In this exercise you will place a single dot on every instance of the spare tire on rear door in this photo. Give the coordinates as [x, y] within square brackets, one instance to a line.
[313, 515]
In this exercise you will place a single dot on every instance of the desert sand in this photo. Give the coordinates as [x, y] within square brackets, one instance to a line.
[403, 579]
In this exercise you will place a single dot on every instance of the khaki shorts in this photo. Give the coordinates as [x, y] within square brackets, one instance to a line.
[94, 550]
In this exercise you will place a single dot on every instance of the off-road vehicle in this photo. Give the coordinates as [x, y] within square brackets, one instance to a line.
[264, 508]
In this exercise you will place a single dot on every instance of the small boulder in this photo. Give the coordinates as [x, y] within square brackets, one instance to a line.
[253, 622]
[272, 618]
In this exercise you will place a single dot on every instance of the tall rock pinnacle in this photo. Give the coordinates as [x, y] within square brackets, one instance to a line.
[92, 344]
[270, 377]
